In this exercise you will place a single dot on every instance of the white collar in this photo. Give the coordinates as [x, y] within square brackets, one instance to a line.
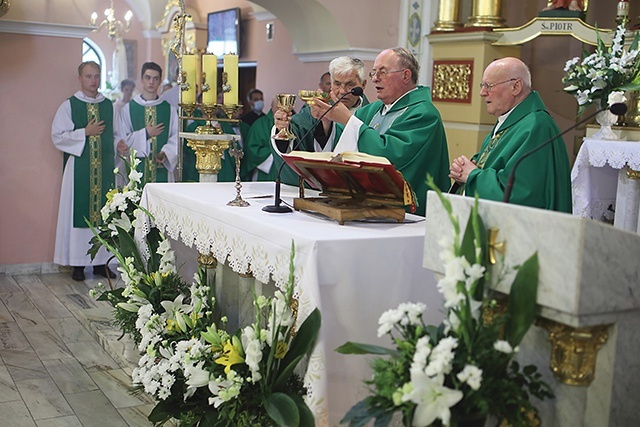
[388, 107]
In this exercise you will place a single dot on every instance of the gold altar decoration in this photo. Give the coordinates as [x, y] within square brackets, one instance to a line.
[494, 245]
[207, 261]
[632, 174]
[448, 19]
[452, 80]
[486, 13]
[4, 6]
[574, 351]
[208, 153]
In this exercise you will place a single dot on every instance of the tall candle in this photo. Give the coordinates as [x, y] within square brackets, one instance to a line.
[210, 68]
[189, 66]
[231, 68]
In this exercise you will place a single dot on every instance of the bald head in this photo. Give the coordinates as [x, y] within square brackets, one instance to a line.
[507, 82]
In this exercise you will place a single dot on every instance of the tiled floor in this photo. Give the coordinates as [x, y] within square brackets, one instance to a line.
[54, 369]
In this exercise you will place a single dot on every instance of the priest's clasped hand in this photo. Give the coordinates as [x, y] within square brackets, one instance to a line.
[460, 169]
[154, 130]
[94, 127]
[123, 148]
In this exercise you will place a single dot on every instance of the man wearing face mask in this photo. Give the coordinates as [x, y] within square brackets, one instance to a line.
[256, 99]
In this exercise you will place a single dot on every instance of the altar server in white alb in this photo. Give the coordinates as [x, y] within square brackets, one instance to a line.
[83, 129]
[149, 125]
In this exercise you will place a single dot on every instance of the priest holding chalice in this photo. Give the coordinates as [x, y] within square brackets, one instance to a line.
[346, 73]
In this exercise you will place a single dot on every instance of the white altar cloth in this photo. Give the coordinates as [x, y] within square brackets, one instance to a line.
[600, 184]
[353, 272]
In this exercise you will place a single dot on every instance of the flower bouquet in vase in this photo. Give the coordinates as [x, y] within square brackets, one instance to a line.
[197, 372]
[602, 78]
[462, 371]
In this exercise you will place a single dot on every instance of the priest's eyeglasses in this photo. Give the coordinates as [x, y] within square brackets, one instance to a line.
[381, 74]
[488, 86]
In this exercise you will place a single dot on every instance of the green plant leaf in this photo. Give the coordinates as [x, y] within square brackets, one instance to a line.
[521, 311]
[128, 248]
[285, 372]
[361, 348]
[282, 409]
[304, 339]
[306, 416]
[153, 240]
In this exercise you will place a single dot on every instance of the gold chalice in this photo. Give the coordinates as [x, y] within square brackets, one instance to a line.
[286, 102]
[309, 95]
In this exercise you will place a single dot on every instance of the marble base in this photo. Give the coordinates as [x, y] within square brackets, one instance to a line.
[34, 268]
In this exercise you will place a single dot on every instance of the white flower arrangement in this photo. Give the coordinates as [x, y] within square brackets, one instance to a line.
[441, 375]
[601, 78]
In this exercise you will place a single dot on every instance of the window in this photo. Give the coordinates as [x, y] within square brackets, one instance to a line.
[92, 52]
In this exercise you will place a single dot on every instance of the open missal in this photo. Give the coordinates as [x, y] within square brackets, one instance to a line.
[353, 185]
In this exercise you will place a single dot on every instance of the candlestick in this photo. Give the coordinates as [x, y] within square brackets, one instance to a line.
[189, 67]
[231, 86]
[210, 70]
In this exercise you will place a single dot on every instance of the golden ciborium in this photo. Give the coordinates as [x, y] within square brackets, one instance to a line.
[309, 95]
[286, 101]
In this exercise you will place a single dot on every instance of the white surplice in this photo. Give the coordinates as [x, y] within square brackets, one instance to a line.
[72, 243]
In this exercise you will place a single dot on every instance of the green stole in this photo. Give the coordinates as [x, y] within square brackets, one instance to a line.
[93, 170]
[382, 123]
[482, 156]
[140, 117]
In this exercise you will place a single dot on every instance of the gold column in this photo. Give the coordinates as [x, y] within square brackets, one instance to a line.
[486, 13]
[447, 16]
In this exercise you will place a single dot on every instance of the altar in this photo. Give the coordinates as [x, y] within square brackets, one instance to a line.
[605, 183]
[352, 273]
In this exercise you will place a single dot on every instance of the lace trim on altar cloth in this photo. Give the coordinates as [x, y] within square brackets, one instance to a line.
[617, 155]
[242, 256]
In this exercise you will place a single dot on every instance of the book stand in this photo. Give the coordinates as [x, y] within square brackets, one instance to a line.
[351, 190]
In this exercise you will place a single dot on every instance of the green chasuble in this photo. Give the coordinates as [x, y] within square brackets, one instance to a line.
[140, 116]
[257, 148]
[93, 170]
[189, 171]
[411, 136]
[542, 180]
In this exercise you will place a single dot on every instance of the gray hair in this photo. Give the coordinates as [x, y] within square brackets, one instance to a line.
[408, 61]
[346, 64]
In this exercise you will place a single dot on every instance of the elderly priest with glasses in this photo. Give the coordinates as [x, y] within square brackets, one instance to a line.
[543, 178]
[403, 125]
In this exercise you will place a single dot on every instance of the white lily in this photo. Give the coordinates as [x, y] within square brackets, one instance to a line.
[433, 400]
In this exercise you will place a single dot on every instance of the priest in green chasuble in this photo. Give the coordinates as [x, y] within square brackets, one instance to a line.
[346, 73]
[403, 125]
[149, 124]
[542, 180]
[83, 129]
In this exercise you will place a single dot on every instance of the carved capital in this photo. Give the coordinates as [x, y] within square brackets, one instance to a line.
[574, 351]
[207, 261]
[208, 154]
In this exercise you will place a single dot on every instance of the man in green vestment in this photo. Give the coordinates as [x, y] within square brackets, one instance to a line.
[149, 124]
[346, 73]
[83, 129]
[543, 180]
[257, 161]
[403, 125]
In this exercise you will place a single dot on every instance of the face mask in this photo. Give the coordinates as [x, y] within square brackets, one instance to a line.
[258, 106]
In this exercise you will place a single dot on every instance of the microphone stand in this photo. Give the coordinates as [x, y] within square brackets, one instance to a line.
[618, 109]
[277, 207]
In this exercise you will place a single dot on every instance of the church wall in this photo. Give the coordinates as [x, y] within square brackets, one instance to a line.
[39, 76]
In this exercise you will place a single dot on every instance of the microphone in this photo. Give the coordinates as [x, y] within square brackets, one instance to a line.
[619, 109]
[277, 207]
